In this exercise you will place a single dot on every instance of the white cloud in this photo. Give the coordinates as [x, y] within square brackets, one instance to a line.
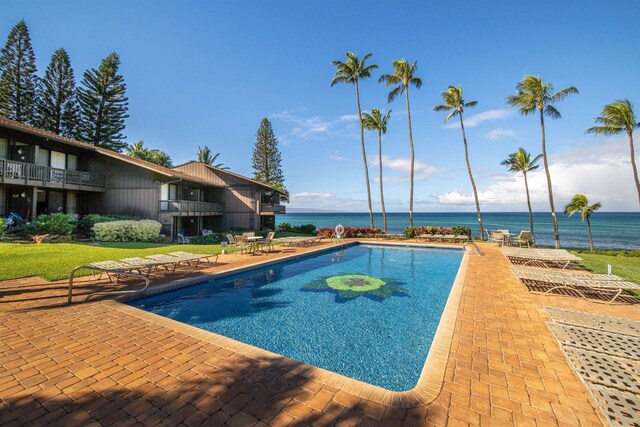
[422, 170]
[500, 133]
[314, 127]
[601, 171]
[475, 119]
[325, 201]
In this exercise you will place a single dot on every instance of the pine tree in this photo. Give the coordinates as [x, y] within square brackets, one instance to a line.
[103, 105]
[58, 110]
[266, 156]
[18, 80]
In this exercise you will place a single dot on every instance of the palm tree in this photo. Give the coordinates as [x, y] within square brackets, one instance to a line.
[534, 94]
[616, 118]
[205, 156]
[579, 203]
[376, 121]
[403, 77]
[454, 103]
[351, 72]
[520, 161]
[136, 150]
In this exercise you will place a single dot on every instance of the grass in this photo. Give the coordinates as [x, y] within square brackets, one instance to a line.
[627, 267]
[54, 261]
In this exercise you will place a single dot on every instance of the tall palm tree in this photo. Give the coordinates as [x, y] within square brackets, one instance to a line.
[534, 94]
[520, 161]
[205, 156]
[616, 118]
[376, 121]
[351, 72]
[455, 104]
[580, 203]
[403, 77]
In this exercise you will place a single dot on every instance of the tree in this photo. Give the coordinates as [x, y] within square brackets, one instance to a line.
[58, 110]
[534, 94]
[580, 203]
[351, 72]
[403, 77]
[153, 155]
[454, 103]
[616, 118]
[103, 104]
[18, 80]
[266, 160]
[376, 121]
[520, 161]
[205, 156]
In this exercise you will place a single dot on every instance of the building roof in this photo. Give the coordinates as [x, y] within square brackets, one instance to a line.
[225, 171]
[21, 127]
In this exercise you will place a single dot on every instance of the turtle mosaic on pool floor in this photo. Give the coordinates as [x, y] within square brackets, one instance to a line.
[350, 286]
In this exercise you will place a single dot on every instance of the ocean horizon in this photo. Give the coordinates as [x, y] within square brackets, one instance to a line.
[610, 230]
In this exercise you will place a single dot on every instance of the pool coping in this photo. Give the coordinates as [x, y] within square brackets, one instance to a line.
[431, 379]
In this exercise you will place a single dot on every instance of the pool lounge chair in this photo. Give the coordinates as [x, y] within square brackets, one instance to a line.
[544, 281]
[189, 257]
[151, 264]
[117, 267]
[462, 238]
[543, 257]
[448, 238]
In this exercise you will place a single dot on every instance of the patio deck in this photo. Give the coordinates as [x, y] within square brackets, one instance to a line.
[104, 363]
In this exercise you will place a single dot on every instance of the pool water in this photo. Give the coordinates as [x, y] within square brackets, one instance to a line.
[367, 312]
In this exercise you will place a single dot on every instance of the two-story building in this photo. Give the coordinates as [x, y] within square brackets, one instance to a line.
[41, 172]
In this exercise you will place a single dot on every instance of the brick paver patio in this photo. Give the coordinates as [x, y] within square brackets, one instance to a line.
[104, 363]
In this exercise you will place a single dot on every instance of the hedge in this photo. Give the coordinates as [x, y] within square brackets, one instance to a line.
[127, 231]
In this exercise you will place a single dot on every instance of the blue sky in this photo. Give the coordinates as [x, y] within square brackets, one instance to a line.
[202, 72]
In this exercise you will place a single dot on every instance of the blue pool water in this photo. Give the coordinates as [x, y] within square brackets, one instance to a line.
[375, 331]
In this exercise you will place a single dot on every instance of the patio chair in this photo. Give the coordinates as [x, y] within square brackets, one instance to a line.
[543, 281]
[490, 238]
[268, 241]
[236, 245]
[182, 239]
[543, 257]
[524, 238]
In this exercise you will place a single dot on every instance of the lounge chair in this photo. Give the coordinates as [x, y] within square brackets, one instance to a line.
[437, 237]
[595, 321]
[462, 238]
[544, 257]
[448, 238]
[137, 261]
[424, 236]
[168, 259]
[188, 257]
[538, 280]
[116, 267]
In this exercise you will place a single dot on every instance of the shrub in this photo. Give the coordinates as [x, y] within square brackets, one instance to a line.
[209, 239]
[325, 232]
[411, 232]
[86, 223]
[304, 228]
[3, 226]
[56, 224]
[350, 232]
[127, 231]
[461, 230]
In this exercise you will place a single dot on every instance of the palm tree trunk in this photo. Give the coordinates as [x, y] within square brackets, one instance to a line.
[556, 233]
[364, 157]
[589, 231]
[406, 92]
[384, 212]
[633, 163]
[473, 183]
[526, 187]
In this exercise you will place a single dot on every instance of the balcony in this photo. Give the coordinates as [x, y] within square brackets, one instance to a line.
[20, 173]
[190, 208]
[272, 209]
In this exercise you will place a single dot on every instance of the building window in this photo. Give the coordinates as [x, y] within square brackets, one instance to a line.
[72, 162]
[71, 202]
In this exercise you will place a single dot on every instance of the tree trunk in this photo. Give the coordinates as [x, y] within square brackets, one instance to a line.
[633, 163]
[526, 187]
[589, 231]
[556, 233]
[384, 212]
[412, 157]
[473, 183]
[364, 157]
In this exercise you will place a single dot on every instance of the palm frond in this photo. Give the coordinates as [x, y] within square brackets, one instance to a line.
[551, 111]
[605, 130]
[563, 93]
[399, 90]
[451, 114]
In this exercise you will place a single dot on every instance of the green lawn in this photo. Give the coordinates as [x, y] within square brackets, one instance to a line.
[54, 261]
[627, 267]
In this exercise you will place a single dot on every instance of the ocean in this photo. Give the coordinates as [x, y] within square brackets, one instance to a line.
[610, 230]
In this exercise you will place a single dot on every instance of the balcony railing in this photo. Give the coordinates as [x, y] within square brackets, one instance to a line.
[29, 172]
[272, 209]
[190, 207]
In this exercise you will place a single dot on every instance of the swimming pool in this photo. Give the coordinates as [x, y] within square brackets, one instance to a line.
[367, 312]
